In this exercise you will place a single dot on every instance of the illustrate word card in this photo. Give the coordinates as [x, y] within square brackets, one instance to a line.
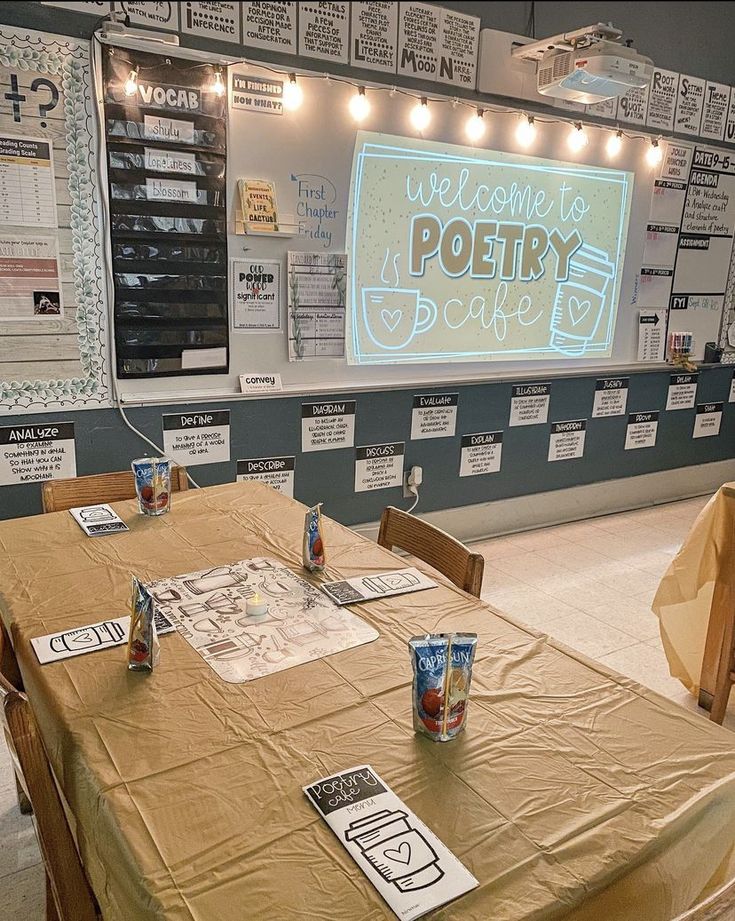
[682, 391]
[30, 453]
[707, 420]
[480, 453]
[96, 520]
[434, 415]
[197, 438]
[651, 335]
[277, 472]
[378, 466]
[566, 440]
[379, 585]
[529, 404]
[611, 397]
[329, 425]
[641, 430]
[80, 640]
[374, 40]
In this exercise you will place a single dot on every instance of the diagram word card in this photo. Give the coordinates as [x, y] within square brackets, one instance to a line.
[434, 415]
[682, 391]
[611, 397]
[380, 585]
[405, 861]
[277, 472]
[641, 430]
[30, 453]
[326, 426]
[197, 438]
[379, 466]
[529, 404]
[96, 520]
[480, 453]
[707, 420]
[651, 335]
[566, 440]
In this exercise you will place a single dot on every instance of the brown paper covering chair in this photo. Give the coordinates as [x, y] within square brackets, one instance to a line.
[433, 546]
[61, 495]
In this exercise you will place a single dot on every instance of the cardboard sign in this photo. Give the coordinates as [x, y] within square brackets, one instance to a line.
[641, 430]
[98, 520]
[270, 25]
[257, 94]
[380, 585]
[611, 397]
[714, 114]
[689, 105]
[329, 425]
[651, 335]
[379, 466]
[68, 643]
[324, 31]
[405, 861]
[32, 453]
[374, 40]
[197, 438]
[419, 27]
[434, 415]
[566, 440]
[480, 453]
[682, 391]
[708, 420]
[529, 404]
[277, 472]
[156, 16]
[662, 99]
[261, 383]
[212, 20]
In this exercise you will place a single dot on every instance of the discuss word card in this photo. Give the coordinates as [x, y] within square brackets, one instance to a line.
[197, 438]
[707, 420]
[270, 25]
[651, 334]
[641, 430]
[378, 466]
[31, 453]
[96, 520]
[374, 36]
[566, 440]
[76, 642]
[326, 426]
[529, 404]
[380, 585]
[682, 391]
[277, 472]
[611, 397]
[434, 415]
[405, 861]
[480, 453]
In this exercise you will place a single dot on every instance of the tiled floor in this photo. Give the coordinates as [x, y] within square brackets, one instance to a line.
[588, 584]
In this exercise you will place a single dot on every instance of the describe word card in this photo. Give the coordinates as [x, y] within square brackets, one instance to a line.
[211, 20]
[641, 430]
[529, 404]
[480, 453]
[374, 36]
[197, 438]
[707, 420]
[405, 861]
[30, 453]
[68, 643]
[270, 25]
[366, 588]
[326, 426]
[651, 335]
[434, 415]
[682, 391]
[379, 466]
[566, 440]
[324, 31]
[611, 397]
[96, 520]
[277, 472]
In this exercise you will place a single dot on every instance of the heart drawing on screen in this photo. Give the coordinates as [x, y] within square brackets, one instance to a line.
[391, 318]
[400, 854]
[578, 310]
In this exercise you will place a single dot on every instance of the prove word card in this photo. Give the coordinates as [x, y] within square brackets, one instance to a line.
[529, 404]
[682, 391]
[378, 466]
[379, 585]
[641, 430]
[96, 520]
[277, 472]
[76, 642]
[197, 438]
[480, 453]
[611, 397]
[434, 415]
[566, 440]
[707, 420]
[405, 861]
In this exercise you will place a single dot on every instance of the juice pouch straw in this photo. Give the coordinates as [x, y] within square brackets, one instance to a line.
[442, 672]
[314, 557]
[143, 646]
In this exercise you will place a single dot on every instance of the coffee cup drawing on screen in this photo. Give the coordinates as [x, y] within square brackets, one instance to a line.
[393, 316]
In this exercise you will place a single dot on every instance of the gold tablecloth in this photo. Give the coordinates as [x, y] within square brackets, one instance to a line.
[574, 793]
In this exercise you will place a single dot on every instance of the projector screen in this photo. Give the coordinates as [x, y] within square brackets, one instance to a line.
[465, 254]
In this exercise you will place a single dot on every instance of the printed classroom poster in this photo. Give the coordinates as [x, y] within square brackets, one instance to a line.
[256, 295]
[29, 277]
[316, 305]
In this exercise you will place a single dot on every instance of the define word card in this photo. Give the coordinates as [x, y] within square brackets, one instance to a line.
[277, 472]
[707, 420]
[197, 438]
[651, 334]
[641, 430]
[379, 466]
[76, 642]
[29, 453]
[96, 520]
[403, 859]
[329, 425]
[682, 391]
[611, 397]
[566, 440]
[480, 453]
[434, 415]
[529, 404]
[380, 585]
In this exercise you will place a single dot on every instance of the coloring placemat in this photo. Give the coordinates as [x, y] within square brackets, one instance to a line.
[208, 609]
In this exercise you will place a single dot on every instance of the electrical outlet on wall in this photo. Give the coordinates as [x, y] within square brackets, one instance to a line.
[413, 477]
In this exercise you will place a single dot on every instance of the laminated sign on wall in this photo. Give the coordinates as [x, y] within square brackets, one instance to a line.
[480, 453]
[378, 466]
[324, 30]
[197, 438]
[32, 453]
[277, 472]
[329, 425]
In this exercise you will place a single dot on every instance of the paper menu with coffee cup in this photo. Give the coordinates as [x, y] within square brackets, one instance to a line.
[377, 585]
[96, 520]
[403, 859]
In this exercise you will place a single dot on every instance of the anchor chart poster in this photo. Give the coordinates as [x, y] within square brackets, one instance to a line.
[460, 254]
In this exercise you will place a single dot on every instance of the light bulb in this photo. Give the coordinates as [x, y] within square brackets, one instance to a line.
[218, 84]
[293, 95]
[654, 154]
[614, 144]
[577, 138]
[526, 131]
[476, 126]
[420, 115]
[359, 105]
[131, 84]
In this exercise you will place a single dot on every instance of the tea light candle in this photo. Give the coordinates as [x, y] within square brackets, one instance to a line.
[256, 607]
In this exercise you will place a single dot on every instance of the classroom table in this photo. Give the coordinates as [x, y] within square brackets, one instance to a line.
[574, 793]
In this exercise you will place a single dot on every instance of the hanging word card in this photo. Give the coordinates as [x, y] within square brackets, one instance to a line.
[651, 335]
[31, 453]
[96, 520]
[197, 438]
[682, 391]
[163, 16]
[611, 397]
[662, 99]
[380, 585]
[707, 420]
[324, 31]
[529, 404]
[480, 453]
[689, 105]
[269, 25]
[714, 114]
[459, 35]
[566, 440]
[27, 196]
[405, 861]
[379, 466]
[641, 430]
[256, 295]
[434, 415]
[419, 27]
[212, 20]
[374, 36]
[277, 472]
[261, 383]
[325, 426]
[257, 94]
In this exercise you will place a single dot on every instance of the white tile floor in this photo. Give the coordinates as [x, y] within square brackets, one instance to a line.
[589, 584]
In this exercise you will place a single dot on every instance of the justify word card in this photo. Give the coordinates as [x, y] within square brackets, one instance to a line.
[707, 420]
[566, 440]
[434, 415]
[277, 472]
[197, 438]
[365, 588]
[611, 397]
[682, 391]
[31, 453]
[651, 335]
[326, 426]
[641, 430]
[480, 453]
[68, 643]
[378, 466]
[529, 404]
[96, 520]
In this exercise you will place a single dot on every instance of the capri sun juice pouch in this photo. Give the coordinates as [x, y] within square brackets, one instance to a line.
[442, 672]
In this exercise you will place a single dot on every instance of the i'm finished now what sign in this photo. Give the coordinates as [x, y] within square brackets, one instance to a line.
[458, 254]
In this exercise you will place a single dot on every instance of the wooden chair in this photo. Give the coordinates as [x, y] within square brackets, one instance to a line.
[720, 906]
[10, 671]
[60, 495]
[68, 894]
[433, 546]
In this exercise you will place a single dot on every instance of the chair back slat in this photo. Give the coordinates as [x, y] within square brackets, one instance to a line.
[61, 495]
[434, 546]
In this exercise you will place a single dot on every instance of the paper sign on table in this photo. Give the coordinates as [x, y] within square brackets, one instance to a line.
[113, 632]
[405, 861]
[379, 585]
[96, 520]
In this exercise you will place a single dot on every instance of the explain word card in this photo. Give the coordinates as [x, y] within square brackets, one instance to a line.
[379, 466]
[326, 426]
[31, 453]
[682, 391]
[80, 640]
[403, 859]
[529, 404]
[611, 397]
[707, 420]
[480, 453]
[651, 335]
[378, 585]
[197, 438]
[96, 520]
[277, 472]
[566, 440]
[434, 415]
[641, 430]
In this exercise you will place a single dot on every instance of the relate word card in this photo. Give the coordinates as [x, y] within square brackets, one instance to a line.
[77, 642]
[380, 585]
[641, 430]
[197, 438]
[434, 415]
[378, 466]
[326, 426]
[96, 520]
[566, 440]
[611, 397]
[707, 420]
[682, 391]
[403, 859]
[529, 404]
[480, 453]
[277, 472]
[29, 453]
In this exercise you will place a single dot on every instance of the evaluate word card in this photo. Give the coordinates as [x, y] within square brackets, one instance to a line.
[434, 415]
[197, 438]
[325, 426]
[379, 466]
[29, 453]
[480, 453]
[611, 397]
[277, 472]
[80, 640]
[529, 404]
[566, 440]
[96, 520]
[405, 861]
[379, 585]
[641, 430]
[682, 391]
[707, 420]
